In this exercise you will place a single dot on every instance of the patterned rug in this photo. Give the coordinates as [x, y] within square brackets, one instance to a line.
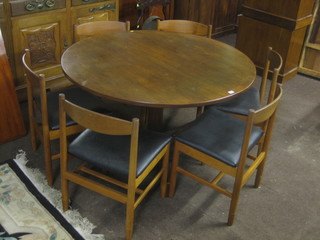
[31, 210]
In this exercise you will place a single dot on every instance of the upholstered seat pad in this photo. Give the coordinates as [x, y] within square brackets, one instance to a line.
[219, 135]
[111, 153]
[75, 95]
[241, 104]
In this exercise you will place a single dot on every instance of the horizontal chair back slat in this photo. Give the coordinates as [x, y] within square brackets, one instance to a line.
[96, 121]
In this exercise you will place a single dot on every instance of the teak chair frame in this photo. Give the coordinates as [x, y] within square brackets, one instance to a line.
[98, 28]
[184, 26]
[264, 118]
[39, 129]
[112, 126]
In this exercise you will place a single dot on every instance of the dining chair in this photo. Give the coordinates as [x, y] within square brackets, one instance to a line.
[225, 143]
[98, 28]
[185, 26]
[128, 158]
[254, 98]
[43, 110]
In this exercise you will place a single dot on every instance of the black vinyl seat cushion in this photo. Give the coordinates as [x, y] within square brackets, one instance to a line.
[218, 135]
[111, 153]
[75, 95]
[241, 104]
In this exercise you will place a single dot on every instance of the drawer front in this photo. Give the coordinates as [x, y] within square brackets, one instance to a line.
[23, 7]
[101, 11]
[81, 2]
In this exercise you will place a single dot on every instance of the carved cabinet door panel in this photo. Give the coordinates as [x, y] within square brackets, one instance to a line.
[45, 36]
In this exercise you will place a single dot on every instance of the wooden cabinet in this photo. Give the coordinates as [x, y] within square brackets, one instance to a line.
[11, 121]
[221, 14]
[46, 28]
[310, 58]
[279, 24]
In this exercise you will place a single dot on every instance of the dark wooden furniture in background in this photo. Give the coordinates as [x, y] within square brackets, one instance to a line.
[160, 8]
[310, 58]
[279, 24]
[128, 10]
[11, 121]
[221, 14]
[158, 71]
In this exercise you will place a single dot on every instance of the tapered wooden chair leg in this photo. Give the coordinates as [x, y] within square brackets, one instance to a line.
[33, 136]
[164, 176]
[65, 194]
[173, 175]
[259, 174]
[234, 202]
[48, 161]
[130, 218]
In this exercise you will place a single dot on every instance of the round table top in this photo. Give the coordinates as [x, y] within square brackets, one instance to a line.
[158, 69]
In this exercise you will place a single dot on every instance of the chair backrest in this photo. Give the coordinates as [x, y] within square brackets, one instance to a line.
[98, 28]
[273, 63]
[97, 122]
[185, 26]
[36, 87]
[263, 118]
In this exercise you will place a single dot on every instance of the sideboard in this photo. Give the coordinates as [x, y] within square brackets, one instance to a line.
[46, 28]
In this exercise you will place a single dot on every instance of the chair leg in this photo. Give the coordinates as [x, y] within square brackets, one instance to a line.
[164, 176]
[64, 193]
[48, 160]
[259, 174]
[234, 202]
[33, 135]
[130, 215]
[173, 175]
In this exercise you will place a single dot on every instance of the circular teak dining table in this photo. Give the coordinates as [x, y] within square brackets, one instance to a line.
[158, 70]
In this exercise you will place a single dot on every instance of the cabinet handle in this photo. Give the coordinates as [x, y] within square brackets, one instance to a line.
[50, 3]
[103, 7]
[30, 7]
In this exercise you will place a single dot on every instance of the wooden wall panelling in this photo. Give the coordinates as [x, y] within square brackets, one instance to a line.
[221, 14]
[280, 24]
[226, 16]
[310, 59]
[128, 11]
[11, 121]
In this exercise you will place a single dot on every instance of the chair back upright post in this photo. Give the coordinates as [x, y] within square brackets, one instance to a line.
[36, 88]
[274, 63]
[264, 118]
[185, 26]
[99, 28]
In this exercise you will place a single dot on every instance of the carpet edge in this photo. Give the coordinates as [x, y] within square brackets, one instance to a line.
[81, 224]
